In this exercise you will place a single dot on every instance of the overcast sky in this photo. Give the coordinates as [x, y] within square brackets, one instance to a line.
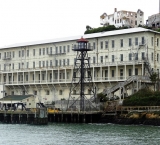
[32, 20]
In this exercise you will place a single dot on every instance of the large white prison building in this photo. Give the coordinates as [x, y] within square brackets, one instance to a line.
[45, 68]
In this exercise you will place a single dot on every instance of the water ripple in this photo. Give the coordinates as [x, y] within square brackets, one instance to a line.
[79, 134]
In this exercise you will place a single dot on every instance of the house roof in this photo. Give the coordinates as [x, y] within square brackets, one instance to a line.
[86, 36]
[15, 97]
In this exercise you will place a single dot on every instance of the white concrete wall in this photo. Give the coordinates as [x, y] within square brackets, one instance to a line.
[30, 102]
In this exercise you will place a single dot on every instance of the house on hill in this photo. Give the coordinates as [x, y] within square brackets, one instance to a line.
[123, 18]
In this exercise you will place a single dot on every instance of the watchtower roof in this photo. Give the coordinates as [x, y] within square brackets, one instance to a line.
[82, 40]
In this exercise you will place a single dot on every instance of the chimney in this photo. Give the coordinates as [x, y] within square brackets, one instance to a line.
[115, 9]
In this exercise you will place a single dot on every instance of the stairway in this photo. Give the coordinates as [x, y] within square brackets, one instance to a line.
[125, 83]
[131, 79]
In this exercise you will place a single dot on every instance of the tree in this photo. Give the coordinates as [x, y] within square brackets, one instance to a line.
[154, 78]
[88, 27]
[102, 97]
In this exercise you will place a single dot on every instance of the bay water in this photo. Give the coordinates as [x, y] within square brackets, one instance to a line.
[79, 134]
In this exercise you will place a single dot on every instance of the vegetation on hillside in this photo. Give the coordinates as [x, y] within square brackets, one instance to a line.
[90, 30]
[144, 97]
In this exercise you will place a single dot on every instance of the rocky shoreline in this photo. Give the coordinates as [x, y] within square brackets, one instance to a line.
[144, 118]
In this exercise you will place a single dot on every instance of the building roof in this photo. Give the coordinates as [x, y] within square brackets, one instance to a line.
[15, 97]
[86, 36]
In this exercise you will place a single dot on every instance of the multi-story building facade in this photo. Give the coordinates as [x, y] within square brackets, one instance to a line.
[45, 69]
[123, 18]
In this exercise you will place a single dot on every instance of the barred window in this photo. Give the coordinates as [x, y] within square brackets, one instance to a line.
[112, 58]
[67, 61]
[27, 52]
[106, 44]
[112, 43]
[40, 51]
[33, 64]
[136, 41]
[130, 56]
[94, 45]
[19, 53]
[121, 42]
[64, 49]
[130, 42]
[101, 45]
[39, 63]
[56, 50]
[43, 51]
[101, 59]
[121, 56]
[22, 53]
[60, 49]
[68, 48]
[33, 52]
[47, 50]
[50, 50]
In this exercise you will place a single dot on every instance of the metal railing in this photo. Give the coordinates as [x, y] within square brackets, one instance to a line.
[139, 108]
[104, 64]
[75, 80]
[122, 84]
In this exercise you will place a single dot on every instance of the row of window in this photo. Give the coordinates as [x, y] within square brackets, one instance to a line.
[130, 57]
[62, 75]
[40, 77]
[131, 21]
[42, 51]
[122, 43]
[66, 62]
[35, 93]
[64, 49]
[121, 72]
[47, 63]
[152, 41]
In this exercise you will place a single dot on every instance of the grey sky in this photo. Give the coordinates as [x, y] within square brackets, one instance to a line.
[31, 20]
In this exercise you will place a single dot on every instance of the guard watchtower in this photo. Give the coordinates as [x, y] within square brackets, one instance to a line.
[82, 90]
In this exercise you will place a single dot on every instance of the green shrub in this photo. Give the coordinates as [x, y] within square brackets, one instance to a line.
[144, 97]
[102, 29]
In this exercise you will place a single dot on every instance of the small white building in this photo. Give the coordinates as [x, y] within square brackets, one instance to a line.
[123, 18]
[27, 100]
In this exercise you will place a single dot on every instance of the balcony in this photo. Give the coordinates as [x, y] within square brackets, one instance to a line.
[62, 81]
